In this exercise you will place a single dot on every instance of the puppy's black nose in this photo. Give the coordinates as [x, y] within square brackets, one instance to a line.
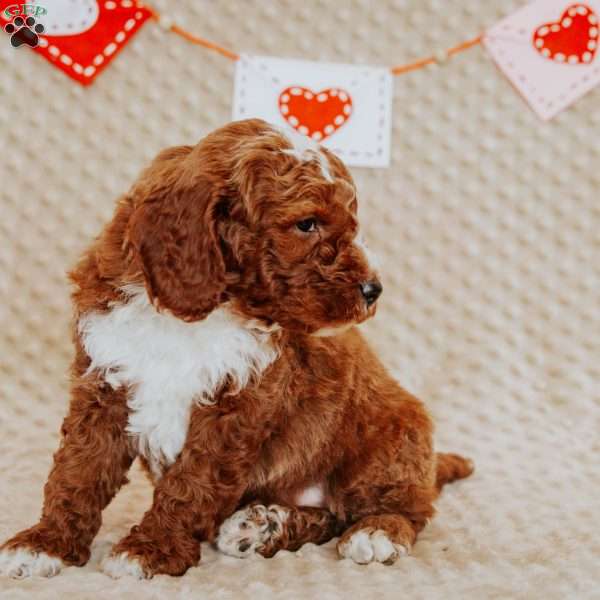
[371, 290]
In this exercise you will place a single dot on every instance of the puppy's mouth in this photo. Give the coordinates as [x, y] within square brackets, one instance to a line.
[368, 313]
[365, 311]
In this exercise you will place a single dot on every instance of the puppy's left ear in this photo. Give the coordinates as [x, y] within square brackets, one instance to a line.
[174, 238]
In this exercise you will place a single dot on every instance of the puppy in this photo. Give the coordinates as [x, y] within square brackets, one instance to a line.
[214, 339]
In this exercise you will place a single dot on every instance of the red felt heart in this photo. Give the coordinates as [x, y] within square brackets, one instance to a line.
[571, 40]
[99, 33]
[315, 114]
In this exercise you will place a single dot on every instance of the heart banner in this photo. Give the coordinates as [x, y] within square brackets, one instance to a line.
[548, 50]
[347, 108]
[80, 37]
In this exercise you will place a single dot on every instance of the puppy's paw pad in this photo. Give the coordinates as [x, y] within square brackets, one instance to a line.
[365, 546]
[122, 565]
[249, 529]
[22, 562]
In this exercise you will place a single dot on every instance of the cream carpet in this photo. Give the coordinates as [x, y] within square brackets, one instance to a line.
[487, 224]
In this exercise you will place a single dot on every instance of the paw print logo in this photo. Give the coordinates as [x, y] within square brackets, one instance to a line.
[24, 31]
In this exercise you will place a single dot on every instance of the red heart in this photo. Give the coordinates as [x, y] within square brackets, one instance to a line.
[317, 115]
[572, 40]
[83, 55]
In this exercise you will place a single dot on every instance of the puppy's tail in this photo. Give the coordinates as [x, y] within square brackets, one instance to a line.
[451, 467]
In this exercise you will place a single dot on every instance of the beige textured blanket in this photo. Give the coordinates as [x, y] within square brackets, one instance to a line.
[487, 224]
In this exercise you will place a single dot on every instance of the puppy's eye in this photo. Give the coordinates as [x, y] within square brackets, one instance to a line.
[307, 225]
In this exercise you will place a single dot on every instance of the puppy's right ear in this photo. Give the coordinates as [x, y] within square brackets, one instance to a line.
[173, 234]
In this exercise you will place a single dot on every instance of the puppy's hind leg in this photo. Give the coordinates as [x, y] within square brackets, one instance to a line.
[386, 536]
[377, 538]
[268, 529]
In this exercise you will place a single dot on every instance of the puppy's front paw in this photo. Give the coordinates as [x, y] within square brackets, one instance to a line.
[250, 529]
[122, 565]
[142, 554]
[366, 545]
[20, 563]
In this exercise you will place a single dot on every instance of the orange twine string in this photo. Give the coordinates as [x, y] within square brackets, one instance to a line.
[398, 70]
[194, 39]
[420, 64]
[202, 42]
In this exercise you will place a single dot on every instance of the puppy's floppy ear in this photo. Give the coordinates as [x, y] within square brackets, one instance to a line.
[173, 234]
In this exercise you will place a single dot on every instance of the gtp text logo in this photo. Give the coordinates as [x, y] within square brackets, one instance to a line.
[24, 10]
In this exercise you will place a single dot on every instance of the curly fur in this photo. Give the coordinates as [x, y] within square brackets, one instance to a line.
[202, 322]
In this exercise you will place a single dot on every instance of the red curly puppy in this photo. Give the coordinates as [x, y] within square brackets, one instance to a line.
[214, 339]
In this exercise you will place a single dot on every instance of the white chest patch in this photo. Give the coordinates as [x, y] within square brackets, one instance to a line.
[169, 365]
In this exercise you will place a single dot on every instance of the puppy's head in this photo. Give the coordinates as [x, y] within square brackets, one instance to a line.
[257, 217]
